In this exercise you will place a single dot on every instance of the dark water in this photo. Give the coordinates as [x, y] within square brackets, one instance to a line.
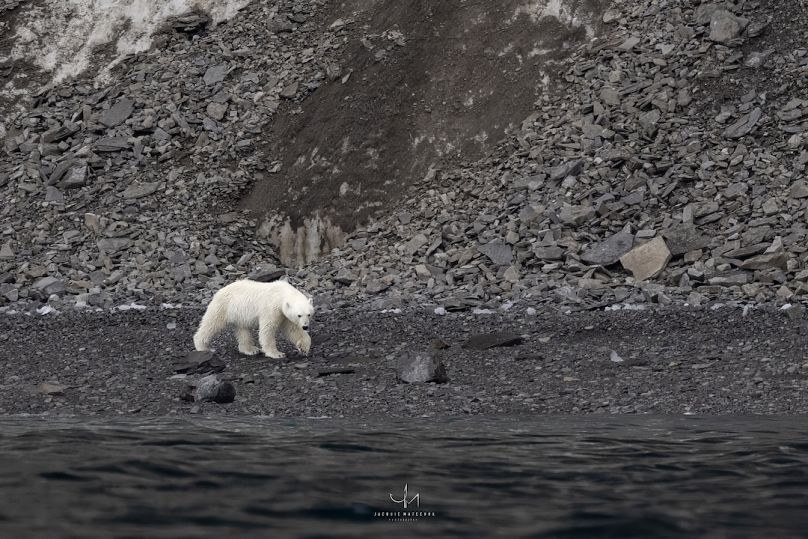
[536, 477]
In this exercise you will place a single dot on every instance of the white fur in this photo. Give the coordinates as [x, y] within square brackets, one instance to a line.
[270, 306]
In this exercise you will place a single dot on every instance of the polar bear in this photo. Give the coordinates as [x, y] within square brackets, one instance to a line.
[271, 306]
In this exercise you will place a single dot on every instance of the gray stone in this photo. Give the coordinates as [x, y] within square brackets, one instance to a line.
[113, 245]
[421, 366]
[549, 253]
[57, 135]
[684, 238]
[140, 190]
[608, 251]
[118, 113]
[112, 144]
[567, 169]
[212, 389]
[290, 90]
[576, 215]
[417, 241]
[745, 125]
[217, 110]
[497, 251]
[49, 285]
[60, 170]
[215, 74]
[726, 27]
[730, 279]
[647, 260]
[52, 194]
[77, 177]
[798, 189]
[376, 285]
[6, 252]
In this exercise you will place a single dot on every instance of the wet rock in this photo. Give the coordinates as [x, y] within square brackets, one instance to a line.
[609, 251]
[647, 260]
[492, 340]
[420, 366]
[212, 389]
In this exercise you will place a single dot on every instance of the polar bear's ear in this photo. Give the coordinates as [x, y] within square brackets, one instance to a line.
[286, 305]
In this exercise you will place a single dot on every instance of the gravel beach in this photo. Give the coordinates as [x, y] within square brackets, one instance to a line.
[655, 361]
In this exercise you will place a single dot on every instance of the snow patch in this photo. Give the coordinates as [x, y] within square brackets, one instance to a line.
[130, 307]
[558, 9]
[59, 36]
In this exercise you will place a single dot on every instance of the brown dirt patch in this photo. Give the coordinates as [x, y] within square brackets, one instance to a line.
[430, 81]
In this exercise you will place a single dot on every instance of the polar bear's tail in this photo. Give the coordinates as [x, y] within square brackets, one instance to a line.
[213, 322]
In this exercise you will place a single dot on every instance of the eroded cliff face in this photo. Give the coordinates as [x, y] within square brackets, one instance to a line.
[416, 86]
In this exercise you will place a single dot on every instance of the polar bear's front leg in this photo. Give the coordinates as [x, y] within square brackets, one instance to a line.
[245, 342]
[266, 336]
[213, 322]
[296, 336]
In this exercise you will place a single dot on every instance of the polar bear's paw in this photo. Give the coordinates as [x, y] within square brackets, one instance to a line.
[249, 350]
[274, 354]
[304, 344]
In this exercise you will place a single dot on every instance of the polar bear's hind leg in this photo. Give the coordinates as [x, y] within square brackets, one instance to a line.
[245, 341]
[213, 322]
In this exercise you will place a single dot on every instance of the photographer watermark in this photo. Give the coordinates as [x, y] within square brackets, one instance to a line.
[411, 508]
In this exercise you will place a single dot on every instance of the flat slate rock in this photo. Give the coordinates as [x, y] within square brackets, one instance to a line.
[267, 276]
[112, 144]
[199, 363]
[485, 341]
[497, 251]
[684, 238]
[140, 190]
[335, 370]
[118, 113]
[609, 251]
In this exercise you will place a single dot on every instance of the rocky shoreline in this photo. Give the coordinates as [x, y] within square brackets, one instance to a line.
[663, 360]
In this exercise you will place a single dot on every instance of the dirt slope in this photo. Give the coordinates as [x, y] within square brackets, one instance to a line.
[416, 82]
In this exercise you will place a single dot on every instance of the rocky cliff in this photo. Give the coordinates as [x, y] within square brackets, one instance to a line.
[572, 152]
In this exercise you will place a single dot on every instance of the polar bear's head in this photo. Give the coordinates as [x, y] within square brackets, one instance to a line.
[299, 312]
